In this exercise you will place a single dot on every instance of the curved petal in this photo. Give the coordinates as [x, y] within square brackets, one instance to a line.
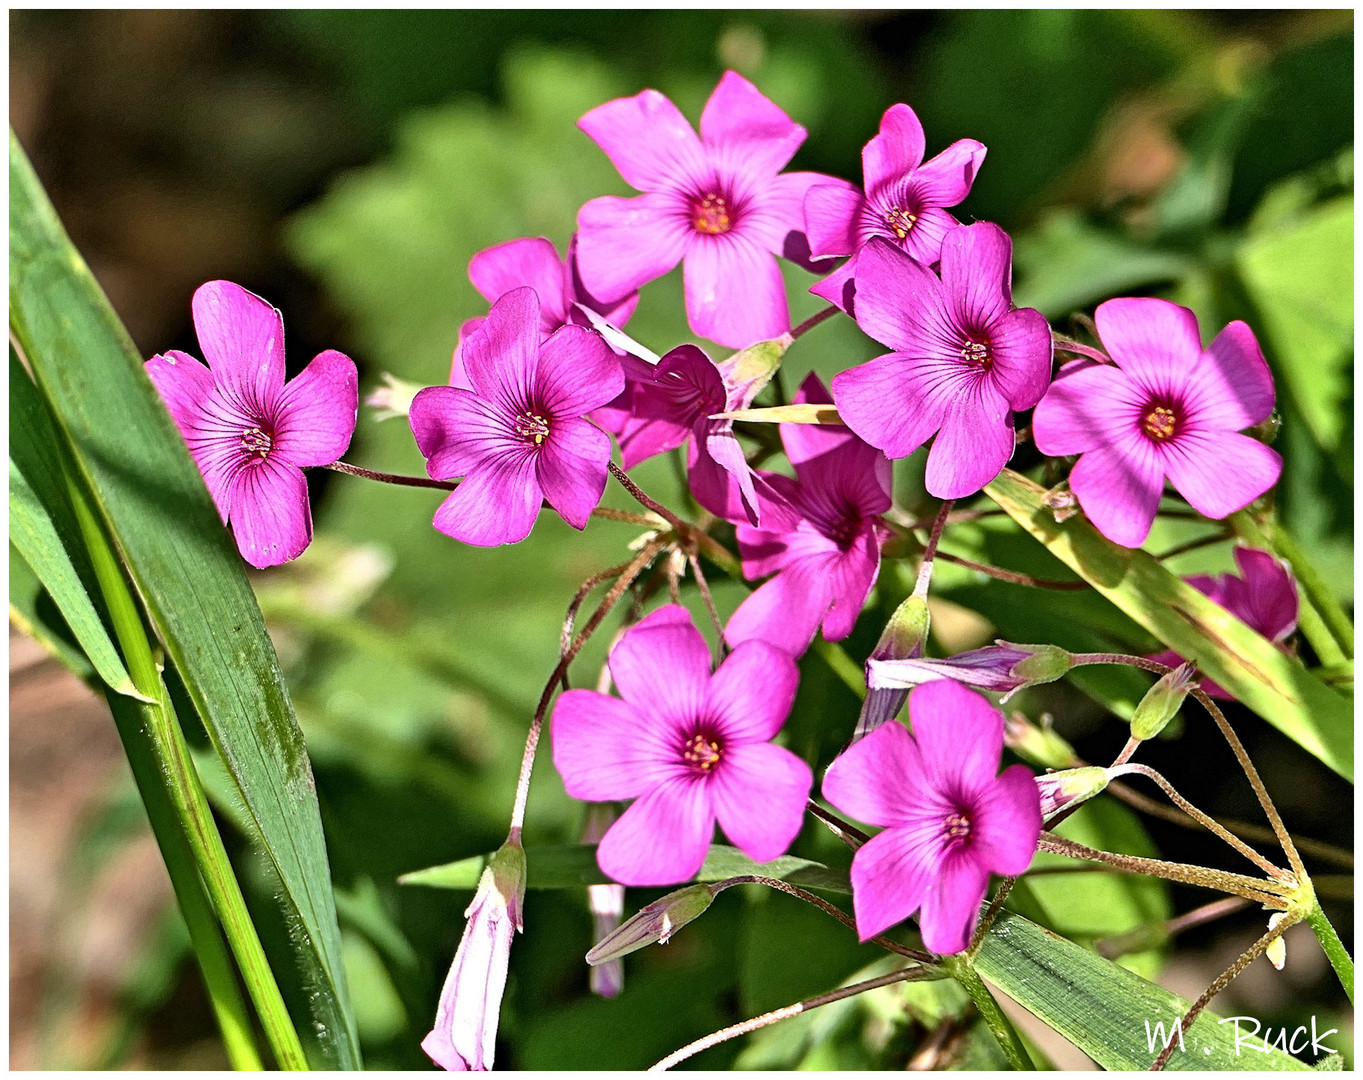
[878, 780]
[977, 271]
[604, 749]
[496, 503]
[785, 612]
[1154, 340]
[530, 260]
[896, 150]
[946, 179]
[774, 220]
[719, 475]
[623, 244]
[1268, 595]
[456, 430]
[959, 735]
[1220, 472]
[662, 839]
[242, 337]
[839, 287]
[951, 905]
[501, 357]
[270, 515]
[1230, 386]
[1006, 822]
[317, 411]
[747, 132]
[973, 446]
[851, 576]
[759, 793]
[459, 375]
[831, 212]
[1119, 488]
[735, 294]
[661, 666]
[891, 873]
[881, 402]
[1088, 406]
[751, 692]
[647, 139]
[577, 372]
[183, 384]
[900, 302]
[924, 241]
[615, 312]
[1022, 351]
[571, 468]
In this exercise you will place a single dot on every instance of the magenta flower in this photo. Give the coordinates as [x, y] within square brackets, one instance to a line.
[519, 436]
[949, 820]
[718, 204]
[1264, 598]
[689, 747]
[464, 1037]
[534, 261]
[963, 359]
[903, 202]
[827, 559]
[251, 433]
[1164, 407]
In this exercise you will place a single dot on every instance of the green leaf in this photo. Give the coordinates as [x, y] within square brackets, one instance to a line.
[32, 612]
[1271, 683]
[563, 866]
[42, 530]
[1110, 1013]
[187, 570]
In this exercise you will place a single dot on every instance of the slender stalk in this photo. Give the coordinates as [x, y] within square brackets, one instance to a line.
[1334, 948]
[1013, 576]
[185, 792]
[1132, 744]
[1218, 537]
[583, 590]
[911, 974]
[704, 587]
[716, 551]
[813, 321]
[849, 834]
[1069, 345]
[999, 1025]
[920, 587]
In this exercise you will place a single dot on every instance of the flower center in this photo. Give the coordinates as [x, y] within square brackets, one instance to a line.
[956, 827]
[975, 352]
[1160, 423]
[532, 427]
[710, 214]
[255, 441]
[844, 531]
[900, 220]
[702, 752]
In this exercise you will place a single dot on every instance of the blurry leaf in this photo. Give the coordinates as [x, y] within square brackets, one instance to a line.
[1108, 1012]
[32, 612]
[1275, 686]
[187, 569]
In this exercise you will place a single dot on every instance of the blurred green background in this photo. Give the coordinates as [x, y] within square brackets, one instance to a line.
[346, 165]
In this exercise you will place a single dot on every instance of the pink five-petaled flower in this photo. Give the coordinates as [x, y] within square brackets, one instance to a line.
[949, 820]
[688, 746]
[519, 437]
[1264, 598]
[963, 359]
[464, 1036]
[719, 204]
[251, 433]
[533, 261]
[826, 563]
[1165, 406]
[904, 200]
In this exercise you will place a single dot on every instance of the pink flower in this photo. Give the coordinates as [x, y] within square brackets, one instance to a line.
[719, 204]
[252, 434]
[1165, 407]
[465, 1033]
[519, 436]
[903, 202]
[1264, 598]
[827, 558]
[963, 359]
[950, 821]
[689, 747]
[533, 261]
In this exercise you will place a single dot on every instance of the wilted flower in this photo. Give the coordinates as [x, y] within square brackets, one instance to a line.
[1069, 786]
[653, 924]
[252, 434]
[1002, 668]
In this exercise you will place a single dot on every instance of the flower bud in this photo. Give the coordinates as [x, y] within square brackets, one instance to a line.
[1061, 502]
[1045, 664]
[392, 399]
[1161, 702]
[902, 638]
[1061, 789]
[654, 923]
[1038, 744]
[749, 370]
[1003, 668]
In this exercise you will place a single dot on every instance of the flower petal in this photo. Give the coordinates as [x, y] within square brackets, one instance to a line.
[496, 503]
[531, 261]
[973, 446]
[456, 430]
[735, 294]
[1154, 340]
[317, 411]
[1005, 822]
[661, 665]
[831, 212]
[647, 139]
[951, 905]
[604, 749]
[900, 302]
[1230, 387]
[270, 515]
[745, 132]
[1089, 405]
[1267, 597]
[759, 792]
[1219, 472]
[242, 337]
[891, 873]
[183, 384]
[924, 241]
[946, 179]
[977, 271]
[896, 150]
[851, 576]
[571, 468]
[883, 402]
[501, 357]
[662, 838]
[751, 692]
[1119, 488]
[786, 611]
[1022, 350]
[878, 780]
[959, 735]
[839, 287]
[623, 244]
[577, 372]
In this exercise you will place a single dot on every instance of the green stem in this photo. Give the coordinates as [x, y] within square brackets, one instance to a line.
[165, 744]
[999, 1025]
[1334, 948]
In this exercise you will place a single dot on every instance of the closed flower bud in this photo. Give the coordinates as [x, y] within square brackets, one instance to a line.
[1161, 702]
[392, 399]
[1061, 789]
[654, 924]
[902, 638]
[1038, 744]
[1003, 668]
[750, 369]
[1045, 664]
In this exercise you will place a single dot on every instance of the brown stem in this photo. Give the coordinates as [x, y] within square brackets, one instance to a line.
[1012, 575]
[813, 321]
[704, 587]
[566, 637]
[391, 478]
[1141, 938]
[920, 588]
[720, 555]
[847, 833]
[1193, 545]
[1069, 345]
